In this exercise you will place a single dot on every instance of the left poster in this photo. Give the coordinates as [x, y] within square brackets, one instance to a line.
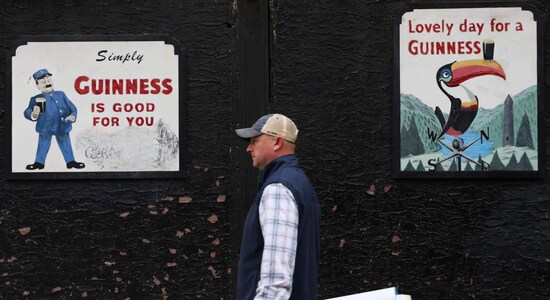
[96, 107]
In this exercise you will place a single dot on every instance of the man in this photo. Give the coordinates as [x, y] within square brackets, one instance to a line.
[280, 246]
[54, 114]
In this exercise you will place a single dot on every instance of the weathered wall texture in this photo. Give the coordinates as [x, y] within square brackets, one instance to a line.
[119, 239]
[331, 71]
[434, 239]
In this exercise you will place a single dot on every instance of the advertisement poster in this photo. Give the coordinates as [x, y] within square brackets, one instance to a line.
[96, 107]
[468, 94]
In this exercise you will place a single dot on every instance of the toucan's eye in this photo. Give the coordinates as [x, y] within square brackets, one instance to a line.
[445, 75]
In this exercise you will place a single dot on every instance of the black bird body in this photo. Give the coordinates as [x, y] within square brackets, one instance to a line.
[462, 112]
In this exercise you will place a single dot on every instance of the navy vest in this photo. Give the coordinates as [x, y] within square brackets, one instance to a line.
[283, 170]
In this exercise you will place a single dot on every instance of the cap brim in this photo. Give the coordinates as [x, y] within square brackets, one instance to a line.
[247, 133]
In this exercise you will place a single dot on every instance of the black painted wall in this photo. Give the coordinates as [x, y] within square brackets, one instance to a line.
[332, 71]
[129, 239]
[326, 64]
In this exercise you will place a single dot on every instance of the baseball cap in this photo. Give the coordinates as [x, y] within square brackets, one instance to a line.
[272, 124]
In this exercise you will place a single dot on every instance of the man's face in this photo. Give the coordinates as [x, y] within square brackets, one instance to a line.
[262, 151]
[45, 84]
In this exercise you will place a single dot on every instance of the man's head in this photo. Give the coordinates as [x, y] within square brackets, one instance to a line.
[43, 80]
[272, 136]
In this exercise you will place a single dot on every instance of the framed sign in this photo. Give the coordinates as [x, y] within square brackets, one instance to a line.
[468, 91]
[95, 107]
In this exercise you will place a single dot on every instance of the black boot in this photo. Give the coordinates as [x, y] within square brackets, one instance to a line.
[74, 164]
[35, 166]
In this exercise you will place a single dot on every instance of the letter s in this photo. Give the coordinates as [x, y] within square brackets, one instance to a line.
[167, 84]
[477, 47]
[433, 164]
[100, 54]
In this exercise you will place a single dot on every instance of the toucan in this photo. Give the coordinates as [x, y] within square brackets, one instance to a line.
[463, 112]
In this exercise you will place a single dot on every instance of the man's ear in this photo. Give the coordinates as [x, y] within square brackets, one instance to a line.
[279, 143]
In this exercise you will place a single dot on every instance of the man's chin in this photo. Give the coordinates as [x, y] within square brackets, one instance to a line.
[257, 166]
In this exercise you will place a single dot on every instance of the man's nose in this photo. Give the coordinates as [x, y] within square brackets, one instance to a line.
[249, 148]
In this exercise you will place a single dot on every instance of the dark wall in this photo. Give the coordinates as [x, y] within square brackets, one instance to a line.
[330, 70]
[142, 239]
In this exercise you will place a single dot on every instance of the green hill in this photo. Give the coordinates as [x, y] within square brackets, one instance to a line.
[525, 102]
[424, 117]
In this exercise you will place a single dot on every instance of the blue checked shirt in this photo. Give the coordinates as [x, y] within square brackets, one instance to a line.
[279, 218]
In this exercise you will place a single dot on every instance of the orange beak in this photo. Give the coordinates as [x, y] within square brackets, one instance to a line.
[467, 69]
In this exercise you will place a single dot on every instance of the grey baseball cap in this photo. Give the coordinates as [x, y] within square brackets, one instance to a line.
[272, 124]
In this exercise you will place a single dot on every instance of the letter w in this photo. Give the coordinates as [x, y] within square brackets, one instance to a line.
[431, 135]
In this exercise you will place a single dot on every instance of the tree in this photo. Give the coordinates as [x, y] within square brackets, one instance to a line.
[420, 167]
[524, 138]
[453, 165]
[524, 163]
[413, 139]
[512, 164]
[480, 161]
[409, 167]
[496, 163]
[404, 145]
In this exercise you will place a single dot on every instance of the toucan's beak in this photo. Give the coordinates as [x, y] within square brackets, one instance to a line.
[467, 69]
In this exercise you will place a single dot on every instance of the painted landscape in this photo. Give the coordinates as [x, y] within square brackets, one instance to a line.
[497, 150]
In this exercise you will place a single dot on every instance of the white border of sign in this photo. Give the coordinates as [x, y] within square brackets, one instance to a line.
[129, 97]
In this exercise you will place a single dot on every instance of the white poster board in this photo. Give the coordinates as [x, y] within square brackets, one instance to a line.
[468, 98]
[129, 106]
[382, 294]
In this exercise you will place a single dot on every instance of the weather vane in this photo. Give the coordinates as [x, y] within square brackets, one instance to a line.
[463, 112]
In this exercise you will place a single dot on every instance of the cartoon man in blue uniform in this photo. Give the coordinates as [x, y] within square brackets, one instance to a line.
[54, 115]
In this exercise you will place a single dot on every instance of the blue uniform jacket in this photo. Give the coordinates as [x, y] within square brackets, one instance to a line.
[52, 121]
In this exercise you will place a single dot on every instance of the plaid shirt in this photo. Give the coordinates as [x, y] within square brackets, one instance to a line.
[279, 222]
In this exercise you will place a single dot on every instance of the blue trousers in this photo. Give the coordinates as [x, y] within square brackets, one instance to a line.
[44, 142]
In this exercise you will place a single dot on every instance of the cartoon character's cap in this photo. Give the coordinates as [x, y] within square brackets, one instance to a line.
[40, 73]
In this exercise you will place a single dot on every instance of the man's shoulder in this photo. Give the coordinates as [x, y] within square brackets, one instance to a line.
[277, 192]
[291, 172]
